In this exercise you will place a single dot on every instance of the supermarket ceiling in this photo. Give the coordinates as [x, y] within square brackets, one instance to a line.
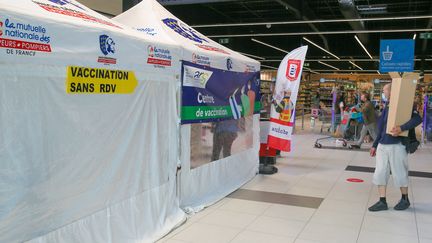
[255, 27]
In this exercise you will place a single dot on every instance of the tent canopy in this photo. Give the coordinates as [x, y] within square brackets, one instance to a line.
[151, 18]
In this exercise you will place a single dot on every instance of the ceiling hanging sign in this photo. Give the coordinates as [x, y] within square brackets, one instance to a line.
[426, 35]
[396, 55]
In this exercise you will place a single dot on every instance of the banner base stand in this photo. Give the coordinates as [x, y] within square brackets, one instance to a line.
[267, 169]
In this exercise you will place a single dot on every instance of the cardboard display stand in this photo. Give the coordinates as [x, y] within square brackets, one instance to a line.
[402, 99]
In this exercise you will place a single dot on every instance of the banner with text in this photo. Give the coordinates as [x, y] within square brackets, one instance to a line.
[284, 99]
[210, 94]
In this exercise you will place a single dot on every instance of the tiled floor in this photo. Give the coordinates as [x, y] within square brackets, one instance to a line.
[342, 216]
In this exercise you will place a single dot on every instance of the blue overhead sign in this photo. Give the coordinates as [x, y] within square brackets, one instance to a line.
[396, 56]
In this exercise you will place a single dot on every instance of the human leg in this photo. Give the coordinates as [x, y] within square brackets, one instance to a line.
[381, 176]
[228, 140]
[217, 146]
[372, 129]
[399, 167]
[363, 133]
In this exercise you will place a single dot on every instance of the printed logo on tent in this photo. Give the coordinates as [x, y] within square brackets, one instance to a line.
[184, 30]
[107, 44]
[160, 57]
[26, 38]
[148, 31]
[64, 9]
[107, 47]
[229, 64]
[293, 69]
[200, 59]
[196, 77]
[211, 48]
[250, 68]
[66, 2]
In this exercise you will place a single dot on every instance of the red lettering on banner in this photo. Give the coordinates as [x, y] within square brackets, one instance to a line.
[24, 45]
[279, 143]
[284, 123]
[76, 14]
[107, 60]
[159, 62]
[211, 48]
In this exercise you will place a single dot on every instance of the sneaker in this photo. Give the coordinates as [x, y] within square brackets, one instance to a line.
[402, 205]
[379, 206]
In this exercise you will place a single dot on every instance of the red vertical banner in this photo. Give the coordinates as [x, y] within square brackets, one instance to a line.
[285, 98]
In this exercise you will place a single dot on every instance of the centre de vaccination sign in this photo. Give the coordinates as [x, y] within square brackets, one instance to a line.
[211, 95]
[396, 55]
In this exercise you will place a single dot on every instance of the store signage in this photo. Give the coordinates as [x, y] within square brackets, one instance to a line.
[396, 55]
[224, 41]
[425, 35]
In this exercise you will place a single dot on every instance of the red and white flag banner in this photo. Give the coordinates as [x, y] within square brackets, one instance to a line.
[284, 99]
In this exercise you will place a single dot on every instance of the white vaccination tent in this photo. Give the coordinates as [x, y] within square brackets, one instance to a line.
[89, 127]
[203, 185]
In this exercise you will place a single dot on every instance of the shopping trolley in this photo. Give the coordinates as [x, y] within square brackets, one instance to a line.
[345, 122]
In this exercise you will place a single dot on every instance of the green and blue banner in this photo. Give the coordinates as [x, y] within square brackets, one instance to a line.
[210, 94]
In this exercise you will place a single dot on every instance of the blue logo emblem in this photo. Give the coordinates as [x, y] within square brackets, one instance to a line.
[183, 30]
[229, 64]
[107, 44]
[65, 2]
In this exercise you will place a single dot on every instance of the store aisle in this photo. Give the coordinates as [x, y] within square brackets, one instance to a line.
[310, 200]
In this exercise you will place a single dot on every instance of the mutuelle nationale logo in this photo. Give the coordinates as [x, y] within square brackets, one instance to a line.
[26, 38]
[184, 30]
[201, 59]
[160, 57]
[293, 69]
[229, 64]
[107, 46]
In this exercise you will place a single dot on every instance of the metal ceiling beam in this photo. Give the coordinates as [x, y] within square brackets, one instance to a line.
[348, 9]
[300, 15]
[353, 70]
[313, 21]
[184, 2]
[321, 33]
[338, 60]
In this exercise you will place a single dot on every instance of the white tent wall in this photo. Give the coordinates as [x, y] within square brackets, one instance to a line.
[83, 167]
[209, 183]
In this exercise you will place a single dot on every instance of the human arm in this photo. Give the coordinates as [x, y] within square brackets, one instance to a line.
[380, 128]
[412, 123]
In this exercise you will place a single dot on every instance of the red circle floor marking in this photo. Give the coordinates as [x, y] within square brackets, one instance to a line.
[355, 180]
